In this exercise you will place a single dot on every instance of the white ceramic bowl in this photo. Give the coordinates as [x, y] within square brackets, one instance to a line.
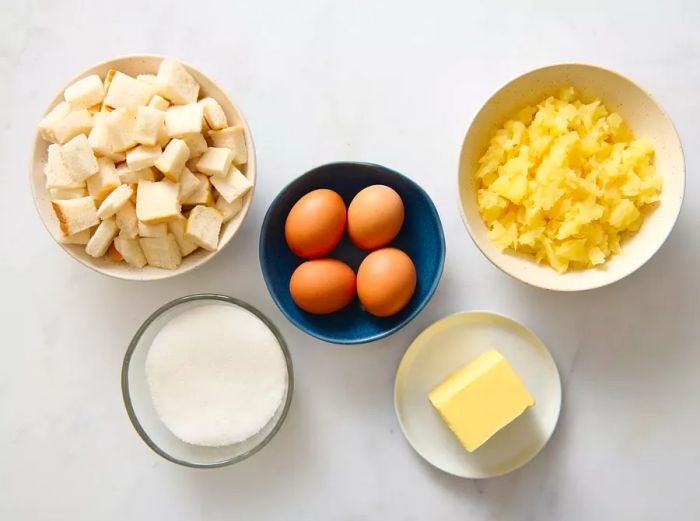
[641, 113]
[133, 65]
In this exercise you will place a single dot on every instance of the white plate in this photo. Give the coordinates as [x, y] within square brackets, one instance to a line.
[446, 346]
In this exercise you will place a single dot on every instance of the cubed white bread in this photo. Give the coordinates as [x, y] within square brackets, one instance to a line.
[149, 122]
[143, 156]
[57, 175]
[128, 175]
[228, 210]
[114, 201]
[152, 230]
[100, 139]
[126, 220]
[176, 226]
[56, 114]
[175, 83]
[161, 252]
[181, 120]
[233, 186]
[77, 238]
[101, 184]
[196, 143]
[157, 202]
[85, 92]
[202, 195]
[213, 113]
[215, 161]
[120, 123]
[233, 138]
[78, 158]
[59, 194]
[62, 129]
[75, 215]
[203, 227]
[173, 159]
[130, 249]
[125, 91]
[159, 103]
[102, 238]
[188, 184]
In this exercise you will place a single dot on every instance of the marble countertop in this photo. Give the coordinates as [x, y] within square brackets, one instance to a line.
[390, 82]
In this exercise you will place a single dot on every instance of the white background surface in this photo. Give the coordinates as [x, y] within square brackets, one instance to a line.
[395, 83]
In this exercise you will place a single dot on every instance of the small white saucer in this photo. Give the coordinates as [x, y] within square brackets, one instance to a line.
[446, 346]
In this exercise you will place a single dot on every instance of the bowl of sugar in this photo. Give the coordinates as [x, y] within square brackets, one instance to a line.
[207, 381]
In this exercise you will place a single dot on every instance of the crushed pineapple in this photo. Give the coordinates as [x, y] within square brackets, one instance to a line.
[565, 181]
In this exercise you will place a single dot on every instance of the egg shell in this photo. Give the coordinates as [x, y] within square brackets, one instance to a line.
[315, 223]
[386, 281]
[322, 286]
[375, 217]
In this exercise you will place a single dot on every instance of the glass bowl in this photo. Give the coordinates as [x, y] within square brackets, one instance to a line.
[143, 416]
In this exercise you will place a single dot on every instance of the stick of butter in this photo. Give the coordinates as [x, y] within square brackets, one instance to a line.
[480, 399]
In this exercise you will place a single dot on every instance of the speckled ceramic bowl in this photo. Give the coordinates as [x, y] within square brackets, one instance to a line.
[641, 113]
[421, 237]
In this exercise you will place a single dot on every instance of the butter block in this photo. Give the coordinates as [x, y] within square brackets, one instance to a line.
[480, 399]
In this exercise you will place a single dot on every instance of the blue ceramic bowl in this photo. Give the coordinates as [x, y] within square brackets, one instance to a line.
[421, 237]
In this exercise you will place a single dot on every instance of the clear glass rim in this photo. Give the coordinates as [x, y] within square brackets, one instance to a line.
[126, 393]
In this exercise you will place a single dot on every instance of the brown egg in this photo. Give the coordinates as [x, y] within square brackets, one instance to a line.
[375, 216]
[322, 286]
[386, 281]
[315, 223]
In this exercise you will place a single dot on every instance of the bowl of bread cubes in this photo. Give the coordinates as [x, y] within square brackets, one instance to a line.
[142, 168]
[571, 177]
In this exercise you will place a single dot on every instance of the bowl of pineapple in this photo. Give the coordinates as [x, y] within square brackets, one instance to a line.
[571, 177]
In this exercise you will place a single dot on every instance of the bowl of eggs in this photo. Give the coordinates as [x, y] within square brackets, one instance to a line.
[571, 177]
[351, 252]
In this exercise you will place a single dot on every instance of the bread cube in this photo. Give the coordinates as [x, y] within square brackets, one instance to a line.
[125, 91]
[159, 103]
[233, 186]
[114, 201]
[56, 114]
[213, 113]
[175, 83]
[176, 226]
[215, 162]
[203, 227]
[161, 252]
[142, 156]
[173, 159]
[126, 220]
[196, 143]
[75, 123]
[85, 92]
[181, 120]
[120, 123]
[59, 194]
[130, 250]
[100, 139]
[152, 230]
[78, 158]
[101, 184]
[233, 138]
[102, 238]
[157, 202]
[147, 128]
[57, 175]
[228, 210]
[77, 238]
[129, 176]
[75, 215]
[202, 195]
[188, 184]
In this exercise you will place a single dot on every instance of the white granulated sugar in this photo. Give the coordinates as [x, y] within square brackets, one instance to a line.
[217, 375]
